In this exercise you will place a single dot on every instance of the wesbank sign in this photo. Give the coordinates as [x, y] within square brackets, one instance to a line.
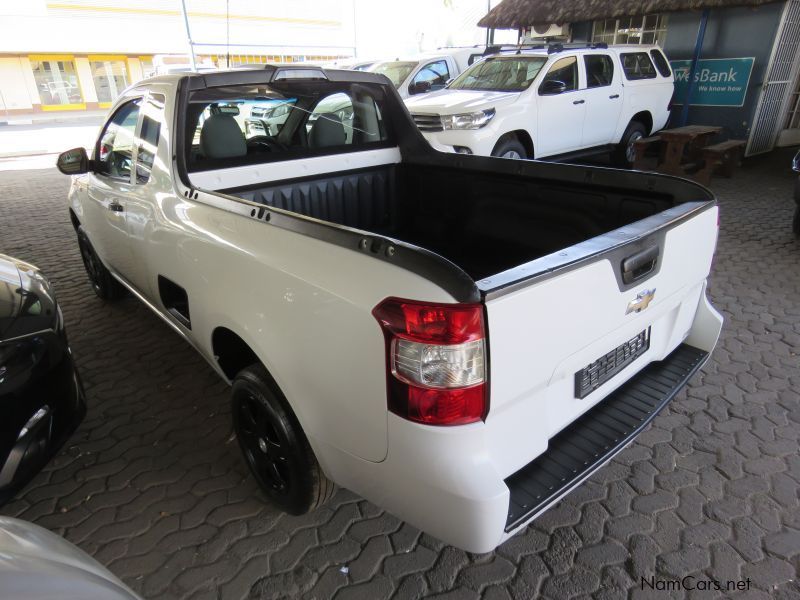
[718, 81]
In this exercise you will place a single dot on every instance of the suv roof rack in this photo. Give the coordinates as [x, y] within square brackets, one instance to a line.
[551, 47]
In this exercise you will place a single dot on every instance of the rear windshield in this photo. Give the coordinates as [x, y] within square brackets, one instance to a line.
[396, 71]
[502, 74]
[251, 124]
[637, 65]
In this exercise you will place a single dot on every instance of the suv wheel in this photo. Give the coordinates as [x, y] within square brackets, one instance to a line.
[274, 446]
[510, 147]
[102, 281]
[625, 153]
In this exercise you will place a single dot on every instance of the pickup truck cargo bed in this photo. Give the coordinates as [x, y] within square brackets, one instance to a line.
[484, 222]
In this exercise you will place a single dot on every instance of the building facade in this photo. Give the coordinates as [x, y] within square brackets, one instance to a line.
[74, 55]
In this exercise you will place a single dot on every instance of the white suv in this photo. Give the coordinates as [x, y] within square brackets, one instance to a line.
[548, 101]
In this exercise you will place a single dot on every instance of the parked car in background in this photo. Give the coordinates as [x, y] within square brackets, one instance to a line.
[461, 340]
[351, 64]
[427, 72]
[41, 397]
[36, 564]
[551, 101]
[796, 169]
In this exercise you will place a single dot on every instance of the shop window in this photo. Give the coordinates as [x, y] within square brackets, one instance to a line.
[57, 81]
[644, 29]
[110, 77]
[148, 68]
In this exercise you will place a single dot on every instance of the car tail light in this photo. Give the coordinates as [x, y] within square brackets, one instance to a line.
[435, 361]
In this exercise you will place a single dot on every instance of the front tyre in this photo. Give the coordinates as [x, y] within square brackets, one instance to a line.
[796, 221]
[625, 152]
[102, 281]
[509, 147]
[274, 446]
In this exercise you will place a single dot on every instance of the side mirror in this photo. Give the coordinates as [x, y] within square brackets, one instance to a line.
[552, 87]
[73, 162]
[419, 87]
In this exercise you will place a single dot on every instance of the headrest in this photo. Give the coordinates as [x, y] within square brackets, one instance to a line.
[221, 137]
[327, 131]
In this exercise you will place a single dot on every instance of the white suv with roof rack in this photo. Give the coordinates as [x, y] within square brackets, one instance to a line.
[546, 101]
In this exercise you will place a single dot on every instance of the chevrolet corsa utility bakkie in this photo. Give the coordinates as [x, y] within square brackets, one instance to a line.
[444, 335]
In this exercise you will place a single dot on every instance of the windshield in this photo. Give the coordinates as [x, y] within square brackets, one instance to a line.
[502, 74]
[396, 71]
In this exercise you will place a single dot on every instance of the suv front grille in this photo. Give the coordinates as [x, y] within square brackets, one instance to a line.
[428, 122]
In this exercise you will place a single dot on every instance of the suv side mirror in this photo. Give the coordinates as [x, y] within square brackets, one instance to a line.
[73, 162]
[552, 87]
[420, 87]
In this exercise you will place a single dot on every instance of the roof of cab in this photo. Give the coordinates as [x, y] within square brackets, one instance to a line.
[264, 74]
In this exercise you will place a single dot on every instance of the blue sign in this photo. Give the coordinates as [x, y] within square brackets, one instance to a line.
[718, 81]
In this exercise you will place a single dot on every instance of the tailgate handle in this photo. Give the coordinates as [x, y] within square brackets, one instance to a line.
[640, 264]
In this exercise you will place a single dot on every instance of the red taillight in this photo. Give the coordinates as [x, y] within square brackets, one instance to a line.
[435, 360]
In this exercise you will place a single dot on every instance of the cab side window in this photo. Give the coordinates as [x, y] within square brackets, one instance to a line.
[564, 70]
[599, 70]
[114, 152]
[149, 135]
[435, 73]
[637, 65]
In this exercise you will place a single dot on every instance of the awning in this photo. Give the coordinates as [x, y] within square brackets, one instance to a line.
[516, 14]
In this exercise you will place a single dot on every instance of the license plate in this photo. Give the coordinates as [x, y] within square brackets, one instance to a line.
[607, 366]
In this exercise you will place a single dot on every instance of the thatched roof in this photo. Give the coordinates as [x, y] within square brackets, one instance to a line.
[513, 14]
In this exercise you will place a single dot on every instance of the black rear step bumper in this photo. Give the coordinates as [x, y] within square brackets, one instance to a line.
[588, 443]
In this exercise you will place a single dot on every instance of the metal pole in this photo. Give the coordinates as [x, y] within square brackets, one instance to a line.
[698, 48]
[188, 35]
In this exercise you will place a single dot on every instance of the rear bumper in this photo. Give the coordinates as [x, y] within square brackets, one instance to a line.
[598, 435]
[444, 481]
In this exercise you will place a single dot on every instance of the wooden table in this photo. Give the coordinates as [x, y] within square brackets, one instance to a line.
[678, 141]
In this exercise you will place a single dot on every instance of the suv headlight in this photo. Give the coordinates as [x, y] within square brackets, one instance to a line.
[474, 120]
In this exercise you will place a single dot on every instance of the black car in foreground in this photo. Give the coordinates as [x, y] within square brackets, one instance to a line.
[41, 396]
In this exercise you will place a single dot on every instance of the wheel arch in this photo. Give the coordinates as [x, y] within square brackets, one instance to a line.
[645, 118]
[73, 218]
[522, 136]
[232, 353]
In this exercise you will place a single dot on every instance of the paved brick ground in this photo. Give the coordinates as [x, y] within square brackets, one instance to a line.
[152, 484]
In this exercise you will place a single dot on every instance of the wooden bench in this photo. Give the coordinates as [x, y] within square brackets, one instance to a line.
[640, 147]
[722, 158]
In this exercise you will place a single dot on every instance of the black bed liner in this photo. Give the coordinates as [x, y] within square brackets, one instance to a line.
[585, 445]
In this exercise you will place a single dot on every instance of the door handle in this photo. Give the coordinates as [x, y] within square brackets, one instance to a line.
[614, 96]
[115, 206]
[578, 101]
[638, 265]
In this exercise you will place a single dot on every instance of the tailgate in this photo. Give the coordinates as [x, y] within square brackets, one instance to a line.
[564, 339]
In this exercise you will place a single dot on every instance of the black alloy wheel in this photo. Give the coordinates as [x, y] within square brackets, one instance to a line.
[274, 446]
[101, 280]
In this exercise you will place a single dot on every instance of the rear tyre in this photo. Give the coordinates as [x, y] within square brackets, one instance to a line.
[796, 221]
[102, 281]
[509, 147]
[624, 154]
[274, 446]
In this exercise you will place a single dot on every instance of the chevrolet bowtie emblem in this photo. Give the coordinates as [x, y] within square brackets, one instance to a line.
[641, 301]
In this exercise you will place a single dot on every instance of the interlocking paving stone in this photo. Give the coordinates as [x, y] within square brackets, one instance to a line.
[151, 483]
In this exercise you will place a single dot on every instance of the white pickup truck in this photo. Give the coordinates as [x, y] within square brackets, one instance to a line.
[550, 101]
[461, 340]
[427, 72]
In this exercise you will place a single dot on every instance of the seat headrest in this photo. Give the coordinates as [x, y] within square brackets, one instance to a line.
[221, 137]
[327, 131]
